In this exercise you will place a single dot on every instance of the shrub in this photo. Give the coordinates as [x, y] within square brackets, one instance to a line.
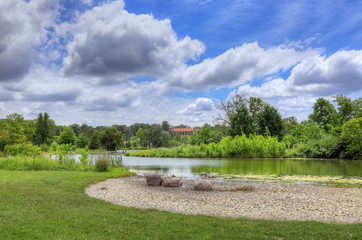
[45, 147]
[54, 146]
[84, 157]
[24, 149]
[102, 164]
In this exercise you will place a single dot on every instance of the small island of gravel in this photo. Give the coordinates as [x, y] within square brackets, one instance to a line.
[235, 198]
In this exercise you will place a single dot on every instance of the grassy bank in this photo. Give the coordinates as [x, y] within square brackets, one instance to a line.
[256, 146]
[53, 205]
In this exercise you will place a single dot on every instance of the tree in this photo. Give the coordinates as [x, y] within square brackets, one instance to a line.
[230, 108]
[67, 136]
[206, 135]
[155, 137]
[289, 124]
[82, 140]
[270, 121]
[240, 122]
[110, 138]
[348, 109]
[324, 114]
[165, 126]
[44, 129]
[94, 141]
[141, 137]
[352, 138]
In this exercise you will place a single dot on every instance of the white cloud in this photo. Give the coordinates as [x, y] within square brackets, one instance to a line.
[200, 106]
[113, 44]
[23, 26]
[317, 76]
[237, 66]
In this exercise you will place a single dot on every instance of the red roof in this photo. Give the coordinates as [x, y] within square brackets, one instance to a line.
[183, 130]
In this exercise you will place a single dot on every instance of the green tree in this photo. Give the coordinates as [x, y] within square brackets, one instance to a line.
[82, 140]
[240, 122]
[155, 137]
[324, 114]
[67, 136]
[94, 141]
[352, 138]
[270, 121]
[141, 137]
[165, 126]
[289, 124]
[110, 138]
[44, 129]
[206, 135]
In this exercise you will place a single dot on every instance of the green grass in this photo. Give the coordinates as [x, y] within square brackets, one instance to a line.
[41, 163]
[53, 205]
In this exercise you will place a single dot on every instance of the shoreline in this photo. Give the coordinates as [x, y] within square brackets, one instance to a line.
[232, 198]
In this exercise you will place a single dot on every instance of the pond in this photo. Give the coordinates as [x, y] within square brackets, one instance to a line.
[193, 168]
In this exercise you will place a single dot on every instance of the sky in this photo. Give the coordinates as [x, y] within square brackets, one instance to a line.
[121, 62]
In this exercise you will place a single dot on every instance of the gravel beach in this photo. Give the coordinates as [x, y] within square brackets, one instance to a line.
[235, 198]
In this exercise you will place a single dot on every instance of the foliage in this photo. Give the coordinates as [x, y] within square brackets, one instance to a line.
[67, 136]
[94, 141]
[44, 129]
[206, 135]
[270, 121]
[84, 156]
[110, 138]
[83, 140]
[54, 146]
[352, 138]
[256, 146]
[63, 154]
[324, 114]
[102, 164]
[8, 137]
[23, 149]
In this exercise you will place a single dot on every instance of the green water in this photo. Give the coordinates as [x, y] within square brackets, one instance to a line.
[194, 168]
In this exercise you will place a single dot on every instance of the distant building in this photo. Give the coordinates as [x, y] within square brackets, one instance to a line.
[184, 131]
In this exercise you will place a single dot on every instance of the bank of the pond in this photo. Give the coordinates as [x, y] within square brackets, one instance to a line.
[261, 200]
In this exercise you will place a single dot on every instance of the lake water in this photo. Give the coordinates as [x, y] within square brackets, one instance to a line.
[193, 168]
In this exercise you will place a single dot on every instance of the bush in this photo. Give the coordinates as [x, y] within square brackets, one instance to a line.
[54, 146]
[102, 164]
[45, 147]
[84, 157]
[24, 149]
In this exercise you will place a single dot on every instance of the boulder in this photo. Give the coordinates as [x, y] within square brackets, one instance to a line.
[170, 182]
[202, 185]
[154, 179]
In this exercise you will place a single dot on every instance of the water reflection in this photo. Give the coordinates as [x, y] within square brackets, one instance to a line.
[198, 168]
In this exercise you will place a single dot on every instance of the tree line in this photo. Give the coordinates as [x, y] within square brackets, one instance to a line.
[329, 132]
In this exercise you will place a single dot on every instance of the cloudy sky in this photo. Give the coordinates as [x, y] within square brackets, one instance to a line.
[120, 62]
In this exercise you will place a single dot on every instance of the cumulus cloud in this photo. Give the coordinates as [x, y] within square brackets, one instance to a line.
[317, 76]
[111, 43]
[23, 27]
[237, 66]
[200, 106]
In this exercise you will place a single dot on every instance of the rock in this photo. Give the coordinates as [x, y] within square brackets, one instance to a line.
[202, 185]
[154, 179]
[170, 182]
[227, 177]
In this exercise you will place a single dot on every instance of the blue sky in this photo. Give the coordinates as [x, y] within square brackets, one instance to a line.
[120, 62]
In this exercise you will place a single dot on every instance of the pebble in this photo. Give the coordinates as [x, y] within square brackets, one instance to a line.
[236, 198]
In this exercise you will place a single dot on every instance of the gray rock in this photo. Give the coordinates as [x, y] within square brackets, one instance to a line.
[170, 182]
[202, 185]
[154, 179]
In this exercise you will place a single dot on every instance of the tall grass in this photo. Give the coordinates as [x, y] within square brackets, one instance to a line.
[40, 163]
[256, 146]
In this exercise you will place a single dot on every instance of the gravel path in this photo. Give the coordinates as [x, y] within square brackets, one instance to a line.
[258, 200]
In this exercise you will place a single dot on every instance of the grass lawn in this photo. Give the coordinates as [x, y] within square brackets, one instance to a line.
[53, 205]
